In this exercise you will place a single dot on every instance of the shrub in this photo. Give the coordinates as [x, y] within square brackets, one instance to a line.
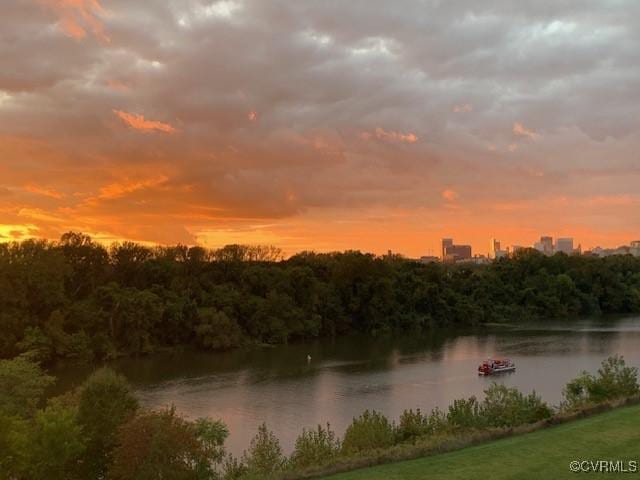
[265, 455]
[614, 380]
[105, 401]
[416, 424]
[508, 407]
[465, 414]
[55, 444]
[369, 431]
[153, 445]
[14, 446]
[22, 385]
[233, 469]
[315, 447]
[211, 434]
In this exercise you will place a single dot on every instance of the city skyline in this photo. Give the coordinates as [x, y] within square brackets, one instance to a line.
[358, 126]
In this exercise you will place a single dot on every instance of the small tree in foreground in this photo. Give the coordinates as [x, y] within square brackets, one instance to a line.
[508, 407]
[315, 447]
[55, 444]
[369, 431]
[158, 445]
[614, 380]
[105, 401]
[22, 385]
[265, 454]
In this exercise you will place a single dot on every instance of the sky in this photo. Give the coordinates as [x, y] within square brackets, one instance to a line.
[321, 125]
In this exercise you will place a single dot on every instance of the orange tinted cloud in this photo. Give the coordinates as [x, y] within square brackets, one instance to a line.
[316, 168]
[138, 122]
[390, 136]
[47, 192]
[125, 187]
[463, 108]
[450, 195]
[78, 17]
[521, 131]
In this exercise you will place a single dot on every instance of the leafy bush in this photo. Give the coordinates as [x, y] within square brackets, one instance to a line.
[55, 444]
[22, 384]
[508, 407]
[614, 380]
[233, 469]
[465, 413]
[315, 447]
[211, 434]
[265, 454]
[412, 424]
[105, 401]
[153, 445]
[416, 424]
[369, 431]
[14, 446]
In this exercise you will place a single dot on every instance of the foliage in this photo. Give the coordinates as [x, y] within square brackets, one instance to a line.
[216, 331]
[508, 407]
[153, 445]
[315, 447]
[369, 431]
[55, 444]
[22, 384]
[264, 456]
[211, 434]
[465, 413]
[233, 469]
[416, 424]
[543, 455]
[613, 380]
[105, 401]
[14, 444]
[76, 299]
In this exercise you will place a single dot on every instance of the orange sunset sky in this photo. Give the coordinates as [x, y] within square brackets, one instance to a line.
[324, 125]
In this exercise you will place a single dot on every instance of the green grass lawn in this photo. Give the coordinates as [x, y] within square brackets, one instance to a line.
[544, 454]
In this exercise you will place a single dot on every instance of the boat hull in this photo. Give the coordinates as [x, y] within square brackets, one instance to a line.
[497, 370]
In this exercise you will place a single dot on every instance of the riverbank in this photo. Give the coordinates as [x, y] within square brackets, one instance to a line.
[353, 373]
[544, 453]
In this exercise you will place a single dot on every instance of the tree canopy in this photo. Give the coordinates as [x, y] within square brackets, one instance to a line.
[77, 299]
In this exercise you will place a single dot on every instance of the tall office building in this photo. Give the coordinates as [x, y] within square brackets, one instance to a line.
[564, 245]
[547, 245]
[446, 242]
[494, 248]
[454, 253]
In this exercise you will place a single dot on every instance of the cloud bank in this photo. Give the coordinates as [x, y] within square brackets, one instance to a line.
[320, 124]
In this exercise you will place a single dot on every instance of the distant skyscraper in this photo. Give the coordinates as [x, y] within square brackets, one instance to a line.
[564, 245]
[494, 248]
[547, 245]
[446, 242]
[517, 248]
[453, 253]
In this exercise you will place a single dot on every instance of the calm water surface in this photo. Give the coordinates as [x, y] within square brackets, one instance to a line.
[348, 375]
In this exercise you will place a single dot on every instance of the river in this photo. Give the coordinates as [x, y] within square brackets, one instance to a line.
[345, 376]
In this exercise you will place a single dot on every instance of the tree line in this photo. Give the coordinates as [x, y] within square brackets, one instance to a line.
[78, 299]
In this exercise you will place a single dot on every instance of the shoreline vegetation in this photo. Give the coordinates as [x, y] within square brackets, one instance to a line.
[77, 300]
[99, 430]
[606, 434]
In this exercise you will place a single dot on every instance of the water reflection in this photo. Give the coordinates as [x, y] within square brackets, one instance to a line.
[349, 375]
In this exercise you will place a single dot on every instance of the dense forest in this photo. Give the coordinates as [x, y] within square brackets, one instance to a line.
[76, 298]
